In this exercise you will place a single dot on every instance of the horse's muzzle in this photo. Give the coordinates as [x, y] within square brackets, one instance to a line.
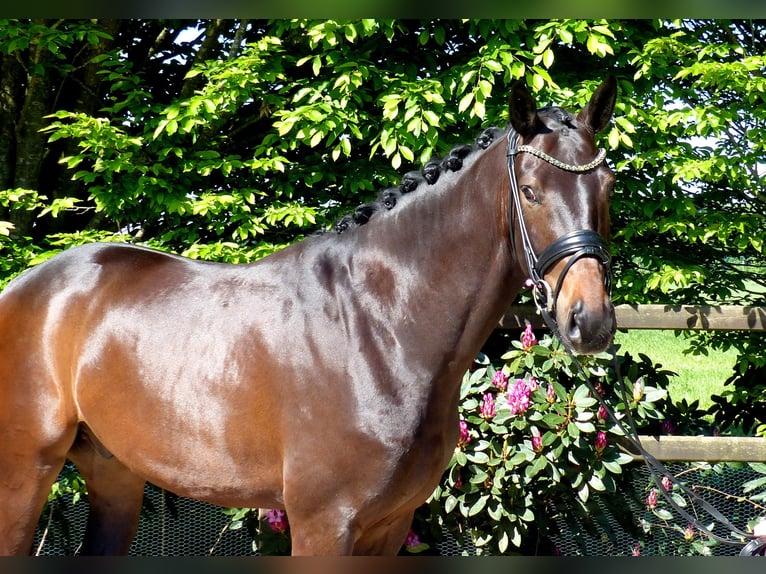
[589, 331]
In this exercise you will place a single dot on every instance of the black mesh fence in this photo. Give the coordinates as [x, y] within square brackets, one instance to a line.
[721, 485]
[175, 526]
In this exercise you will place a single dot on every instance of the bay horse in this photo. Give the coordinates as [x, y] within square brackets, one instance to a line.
[323, 379]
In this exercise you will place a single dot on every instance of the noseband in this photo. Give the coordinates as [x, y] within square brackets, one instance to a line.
[576, 244]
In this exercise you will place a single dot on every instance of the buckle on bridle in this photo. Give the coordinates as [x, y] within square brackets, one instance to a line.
[542, 295]
[756, 547]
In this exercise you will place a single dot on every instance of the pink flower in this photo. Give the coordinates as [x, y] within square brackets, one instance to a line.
[487, 407]
[601, 441]
[668, 427]
[529, 283]
[533, 384]
[537, 442]
[601, 414]
[518, 397]
[528, 339]
[550, 394]
[459, 481]
[500, 380]
[412, 539]
[636, 550]
[689, 533]
[651, 500]
[666, 483]
[638, 390]
[464, 437]
[277, 520]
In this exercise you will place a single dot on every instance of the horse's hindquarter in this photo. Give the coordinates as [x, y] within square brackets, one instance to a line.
[172, 374]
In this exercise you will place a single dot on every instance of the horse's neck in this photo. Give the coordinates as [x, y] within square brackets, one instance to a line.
[448, 250]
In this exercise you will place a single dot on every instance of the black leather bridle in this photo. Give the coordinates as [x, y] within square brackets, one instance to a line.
[575, 245]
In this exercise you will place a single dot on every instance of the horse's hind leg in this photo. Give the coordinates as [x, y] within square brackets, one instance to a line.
[25, 481]
[115, 496]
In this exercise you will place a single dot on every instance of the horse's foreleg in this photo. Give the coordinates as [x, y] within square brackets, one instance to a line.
[324, 534]
[333, 531]
[386, 539]
[115, 496]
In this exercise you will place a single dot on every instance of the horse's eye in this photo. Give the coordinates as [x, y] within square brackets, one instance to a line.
[529, 193]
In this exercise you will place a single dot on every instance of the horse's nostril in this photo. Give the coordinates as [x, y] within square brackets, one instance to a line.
[574, 333]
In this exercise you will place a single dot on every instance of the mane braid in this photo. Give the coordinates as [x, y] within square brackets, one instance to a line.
[412, 181]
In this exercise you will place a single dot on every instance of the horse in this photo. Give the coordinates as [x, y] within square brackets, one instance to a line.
[322, 379]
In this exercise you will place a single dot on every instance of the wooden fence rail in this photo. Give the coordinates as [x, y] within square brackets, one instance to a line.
[681, 317]
[696, 317]
[701, 448]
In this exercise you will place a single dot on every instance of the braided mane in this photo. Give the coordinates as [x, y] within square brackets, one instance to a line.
[413, 180]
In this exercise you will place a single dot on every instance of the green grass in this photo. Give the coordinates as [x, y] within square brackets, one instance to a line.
[698, 377]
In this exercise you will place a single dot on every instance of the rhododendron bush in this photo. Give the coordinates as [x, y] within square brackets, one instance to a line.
[536, 447]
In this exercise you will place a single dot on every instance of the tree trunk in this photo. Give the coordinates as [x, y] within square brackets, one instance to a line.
[210, 42]
[30, 143]
[88, 90]
[11, 74]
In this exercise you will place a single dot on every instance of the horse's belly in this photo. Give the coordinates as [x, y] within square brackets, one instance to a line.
[224, 468]
[210, 441]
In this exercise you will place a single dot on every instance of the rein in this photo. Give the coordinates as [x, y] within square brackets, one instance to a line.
[588, 243]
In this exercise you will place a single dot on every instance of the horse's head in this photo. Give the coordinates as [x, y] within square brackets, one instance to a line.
[560, 189]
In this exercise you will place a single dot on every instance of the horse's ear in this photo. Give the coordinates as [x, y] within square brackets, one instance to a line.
[597, 113]
[523, 110]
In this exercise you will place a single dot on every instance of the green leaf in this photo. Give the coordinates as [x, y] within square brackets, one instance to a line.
[478, 457]
[503, 542]
[495, 511]
[450, 503]
[465, 102]
[479, 505]
[582, 398]
[752, 485]
[596, 483]
[663, 514]
[553, 420]
[586, 427]
[538, 464]
[612, 466]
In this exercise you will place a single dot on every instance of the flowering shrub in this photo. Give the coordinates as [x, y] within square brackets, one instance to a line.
[534, 446]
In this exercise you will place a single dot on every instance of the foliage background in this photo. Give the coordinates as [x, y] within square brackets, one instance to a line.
[229, 139]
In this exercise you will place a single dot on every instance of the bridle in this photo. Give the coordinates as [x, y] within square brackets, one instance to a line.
[576, 244]
[589, 243]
